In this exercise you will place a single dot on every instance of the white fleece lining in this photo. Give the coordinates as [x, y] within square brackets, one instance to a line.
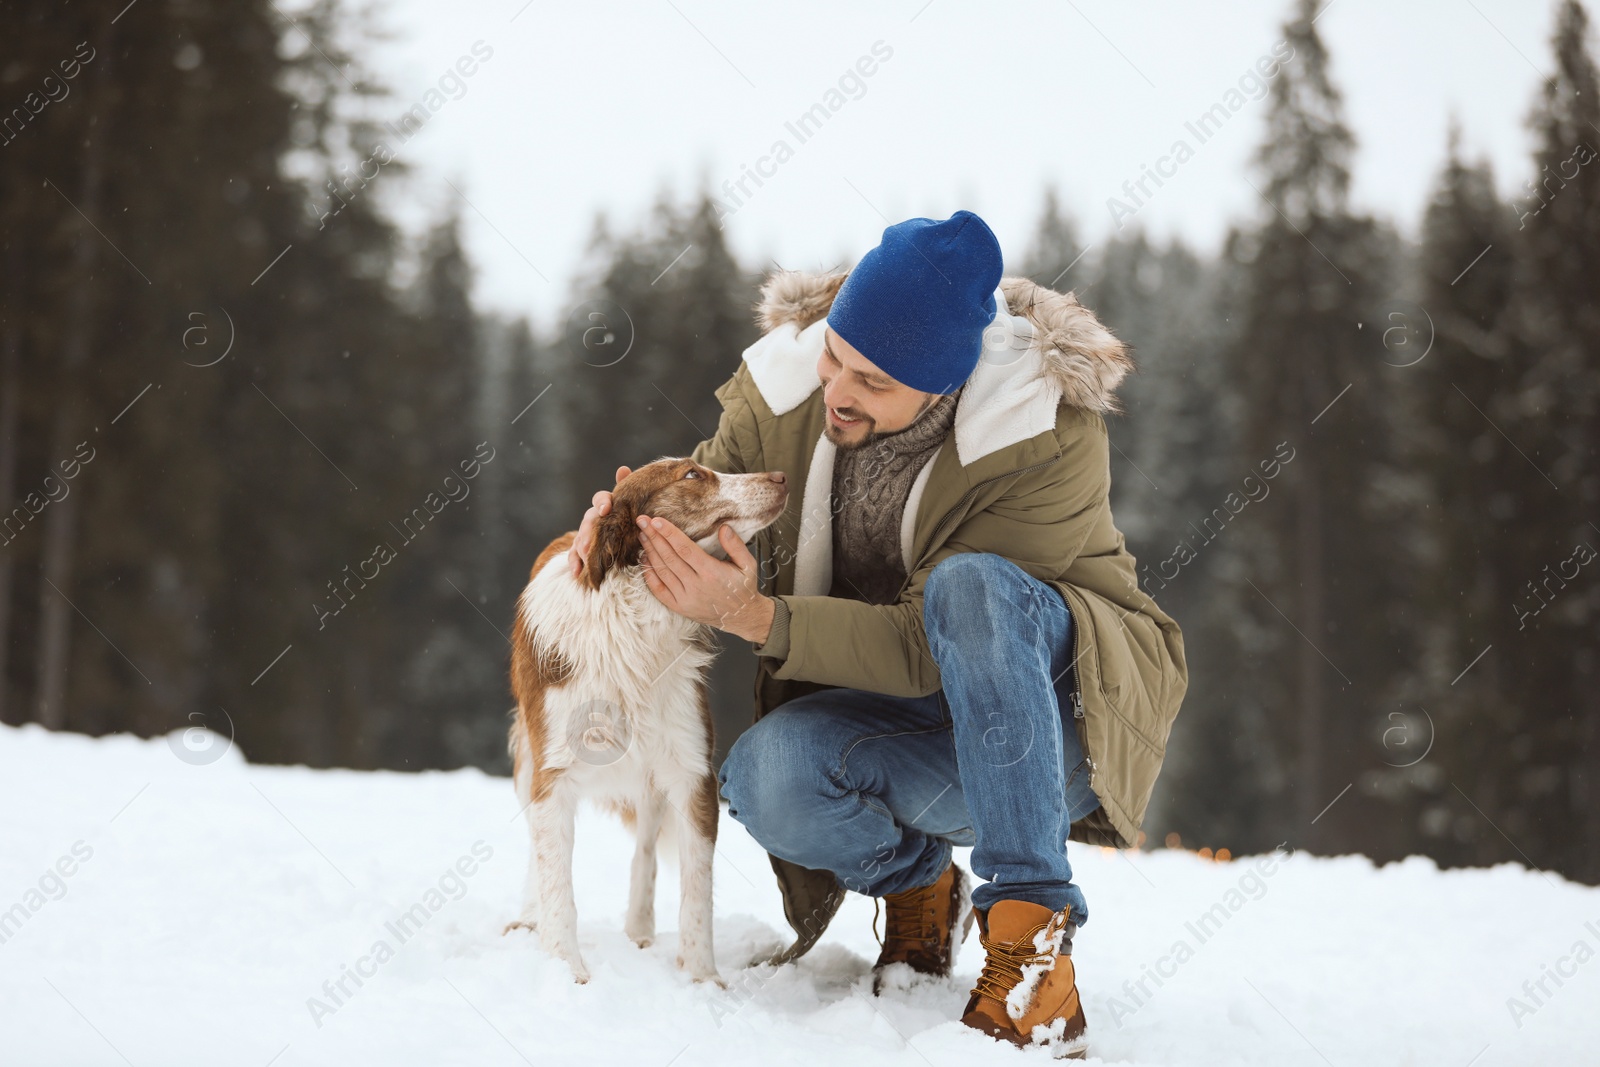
[908, 521]
[783, 364]
[813, 563]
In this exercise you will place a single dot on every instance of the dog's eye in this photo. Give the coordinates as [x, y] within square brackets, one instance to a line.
[691, 473]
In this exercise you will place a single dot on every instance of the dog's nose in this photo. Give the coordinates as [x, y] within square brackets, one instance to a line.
[777, 476]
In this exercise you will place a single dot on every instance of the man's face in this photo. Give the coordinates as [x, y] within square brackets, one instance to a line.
[855, 389]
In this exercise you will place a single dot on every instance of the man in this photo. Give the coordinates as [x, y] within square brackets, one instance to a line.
[954, 649]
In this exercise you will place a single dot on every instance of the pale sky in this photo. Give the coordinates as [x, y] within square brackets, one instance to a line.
[600, 105]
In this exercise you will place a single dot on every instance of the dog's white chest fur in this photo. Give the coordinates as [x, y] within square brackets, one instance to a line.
[629, 714]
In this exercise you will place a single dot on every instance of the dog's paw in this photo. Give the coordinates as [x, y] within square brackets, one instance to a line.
[518, 924]
[702, 971]
[641, 930]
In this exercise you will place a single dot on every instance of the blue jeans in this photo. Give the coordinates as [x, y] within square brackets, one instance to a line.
[877, 789]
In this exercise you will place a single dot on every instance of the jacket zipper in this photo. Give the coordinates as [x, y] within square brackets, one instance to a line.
[1078, 722]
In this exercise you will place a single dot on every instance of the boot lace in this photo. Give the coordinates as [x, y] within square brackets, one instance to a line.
[1002, 966]
[912, 916]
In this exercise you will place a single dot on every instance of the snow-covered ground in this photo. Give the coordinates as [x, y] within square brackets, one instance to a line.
[160, 910]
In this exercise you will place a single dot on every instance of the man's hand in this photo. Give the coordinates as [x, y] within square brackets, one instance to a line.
[698, 586]
[600, 505]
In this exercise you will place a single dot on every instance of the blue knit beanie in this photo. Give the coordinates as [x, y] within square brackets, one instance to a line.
[917, 304]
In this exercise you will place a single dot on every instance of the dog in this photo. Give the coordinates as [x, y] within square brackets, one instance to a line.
[612, 705]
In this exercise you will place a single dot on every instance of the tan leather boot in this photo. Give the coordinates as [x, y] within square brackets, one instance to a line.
[922, 926]
[1027, 993]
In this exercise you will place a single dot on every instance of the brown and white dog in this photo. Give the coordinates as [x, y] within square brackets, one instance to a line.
[612, 706]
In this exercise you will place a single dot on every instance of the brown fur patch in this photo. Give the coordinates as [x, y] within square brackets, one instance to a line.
[703, 804]
[622, 809]
[531, 675]
[797, 297]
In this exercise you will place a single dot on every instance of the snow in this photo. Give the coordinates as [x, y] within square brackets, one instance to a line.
[208, 901]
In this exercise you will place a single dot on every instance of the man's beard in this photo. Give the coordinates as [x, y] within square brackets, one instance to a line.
[844, 446]
[874, 435]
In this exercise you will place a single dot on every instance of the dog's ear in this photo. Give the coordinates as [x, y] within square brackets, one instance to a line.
[616, 538]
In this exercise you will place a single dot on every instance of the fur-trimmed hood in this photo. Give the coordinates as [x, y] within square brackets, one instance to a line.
[1042, 349]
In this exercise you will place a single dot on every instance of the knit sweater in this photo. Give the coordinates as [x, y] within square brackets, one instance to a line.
[870, 487]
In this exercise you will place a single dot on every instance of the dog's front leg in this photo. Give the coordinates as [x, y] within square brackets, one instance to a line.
[697, 839]
[558, 913]
[640, 924]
